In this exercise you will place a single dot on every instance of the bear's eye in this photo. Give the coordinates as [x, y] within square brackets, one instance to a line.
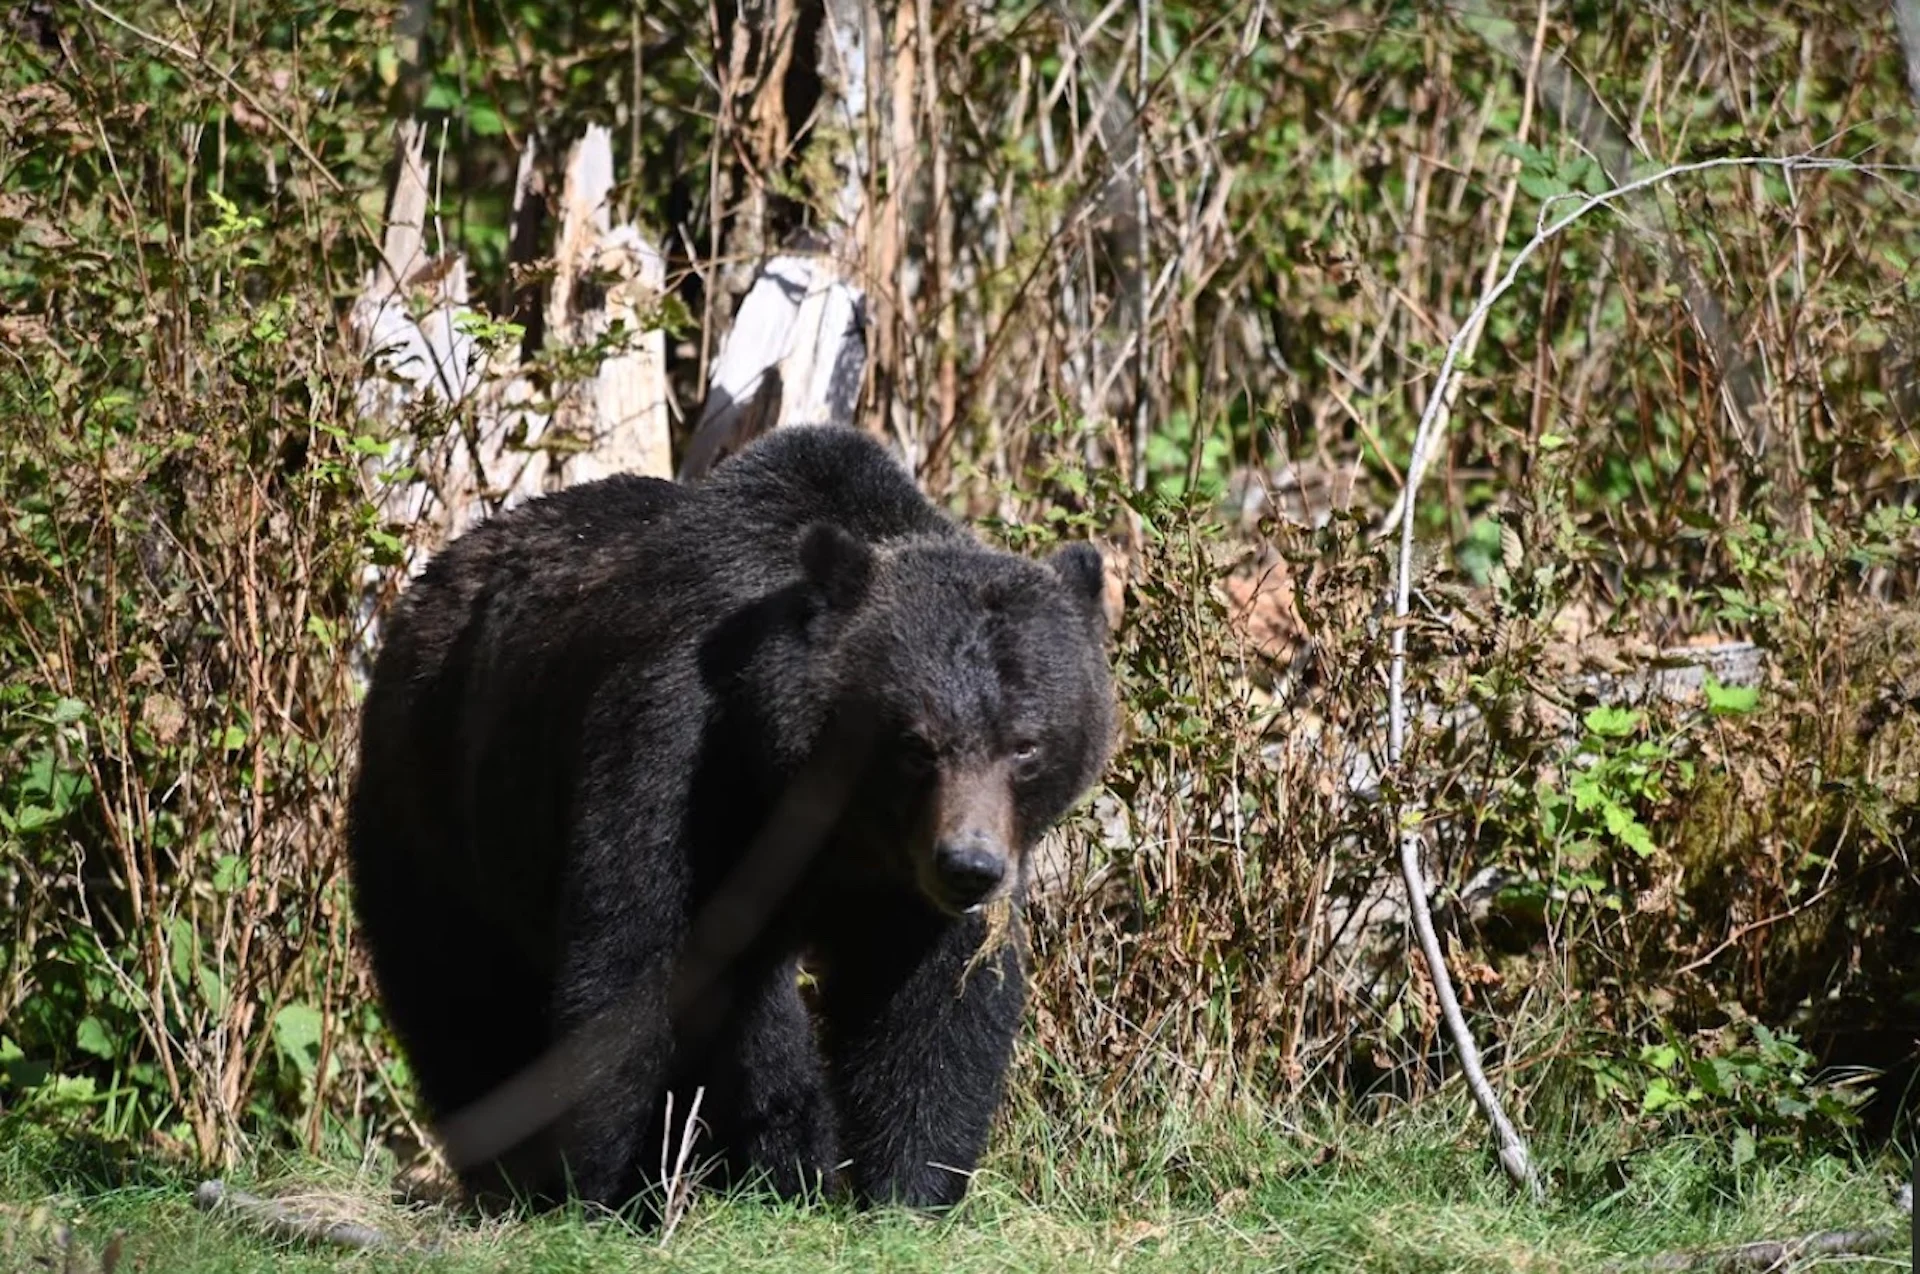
[916, 756]
[1026, 758]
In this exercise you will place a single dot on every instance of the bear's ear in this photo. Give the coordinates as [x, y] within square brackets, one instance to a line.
[836, 564]
[1081, 569]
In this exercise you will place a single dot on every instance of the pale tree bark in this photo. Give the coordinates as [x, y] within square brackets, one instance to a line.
[797, 349]
[444, 385]
[607, 281]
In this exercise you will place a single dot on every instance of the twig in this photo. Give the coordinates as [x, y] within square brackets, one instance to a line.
[1777, 1254]
[284, 1221]
[199, 59]
[675, 1180]
[1753, 926]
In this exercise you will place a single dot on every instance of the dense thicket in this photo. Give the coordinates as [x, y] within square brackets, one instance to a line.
[1690, 420]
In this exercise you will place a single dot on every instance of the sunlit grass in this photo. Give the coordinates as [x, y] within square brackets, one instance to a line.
[1416, 1194]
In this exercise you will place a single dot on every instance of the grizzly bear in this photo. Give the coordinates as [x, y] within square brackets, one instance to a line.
[633, 753]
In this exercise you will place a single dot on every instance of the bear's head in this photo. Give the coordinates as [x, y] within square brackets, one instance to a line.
[985, 676]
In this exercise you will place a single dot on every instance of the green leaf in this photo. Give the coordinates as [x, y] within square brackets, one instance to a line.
[91, 1037]
[229, 874]
[180, 946]
[213, 988]
[484, 119]
[1729, 700]
[1542, 186]
[1588, 795]
[1661, 1095]
[77, 1089]
[1713, 1075]
[31, 818]
[1629, 830]
[1529, 156]
[296, 1032]
[1612, 723]
[1743, 1148]
[1791, 1107]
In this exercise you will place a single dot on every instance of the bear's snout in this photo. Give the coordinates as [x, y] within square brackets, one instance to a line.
[973, 836]
[968, 868]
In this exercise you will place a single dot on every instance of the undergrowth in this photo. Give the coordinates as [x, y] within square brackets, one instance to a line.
[1689, 922]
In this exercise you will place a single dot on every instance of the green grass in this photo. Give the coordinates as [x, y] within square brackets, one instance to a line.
[1417, 1195]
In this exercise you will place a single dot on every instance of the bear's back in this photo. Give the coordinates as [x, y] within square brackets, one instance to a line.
[757, 503]
[621, 550]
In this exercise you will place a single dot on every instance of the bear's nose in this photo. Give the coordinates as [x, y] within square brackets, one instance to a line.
[968, 867]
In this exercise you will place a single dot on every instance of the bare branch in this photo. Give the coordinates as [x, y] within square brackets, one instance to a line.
[1433, 421]
[677, 1171]
[285, 1220]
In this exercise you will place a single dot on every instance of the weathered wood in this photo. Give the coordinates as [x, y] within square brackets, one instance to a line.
[1773, 1254]
[1680, 674]
[418, 349]
[607, 281]
[414, 324]
[797, 350]
[845, 57]
[420, 335]
[796, 355]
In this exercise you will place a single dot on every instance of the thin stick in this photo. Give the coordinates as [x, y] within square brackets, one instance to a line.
[675, 1179]
[1143, 276]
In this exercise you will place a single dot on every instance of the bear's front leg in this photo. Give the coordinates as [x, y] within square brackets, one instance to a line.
[917, 1049]
[612, 1015]
[766, 1107]
[622, 925]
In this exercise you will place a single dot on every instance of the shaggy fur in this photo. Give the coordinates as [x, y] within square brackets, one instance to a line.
[583, 713]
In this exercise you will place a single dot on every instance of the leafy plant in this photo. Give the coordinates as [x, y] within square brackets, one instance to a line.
[1616, 770]
[1755, 1088]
